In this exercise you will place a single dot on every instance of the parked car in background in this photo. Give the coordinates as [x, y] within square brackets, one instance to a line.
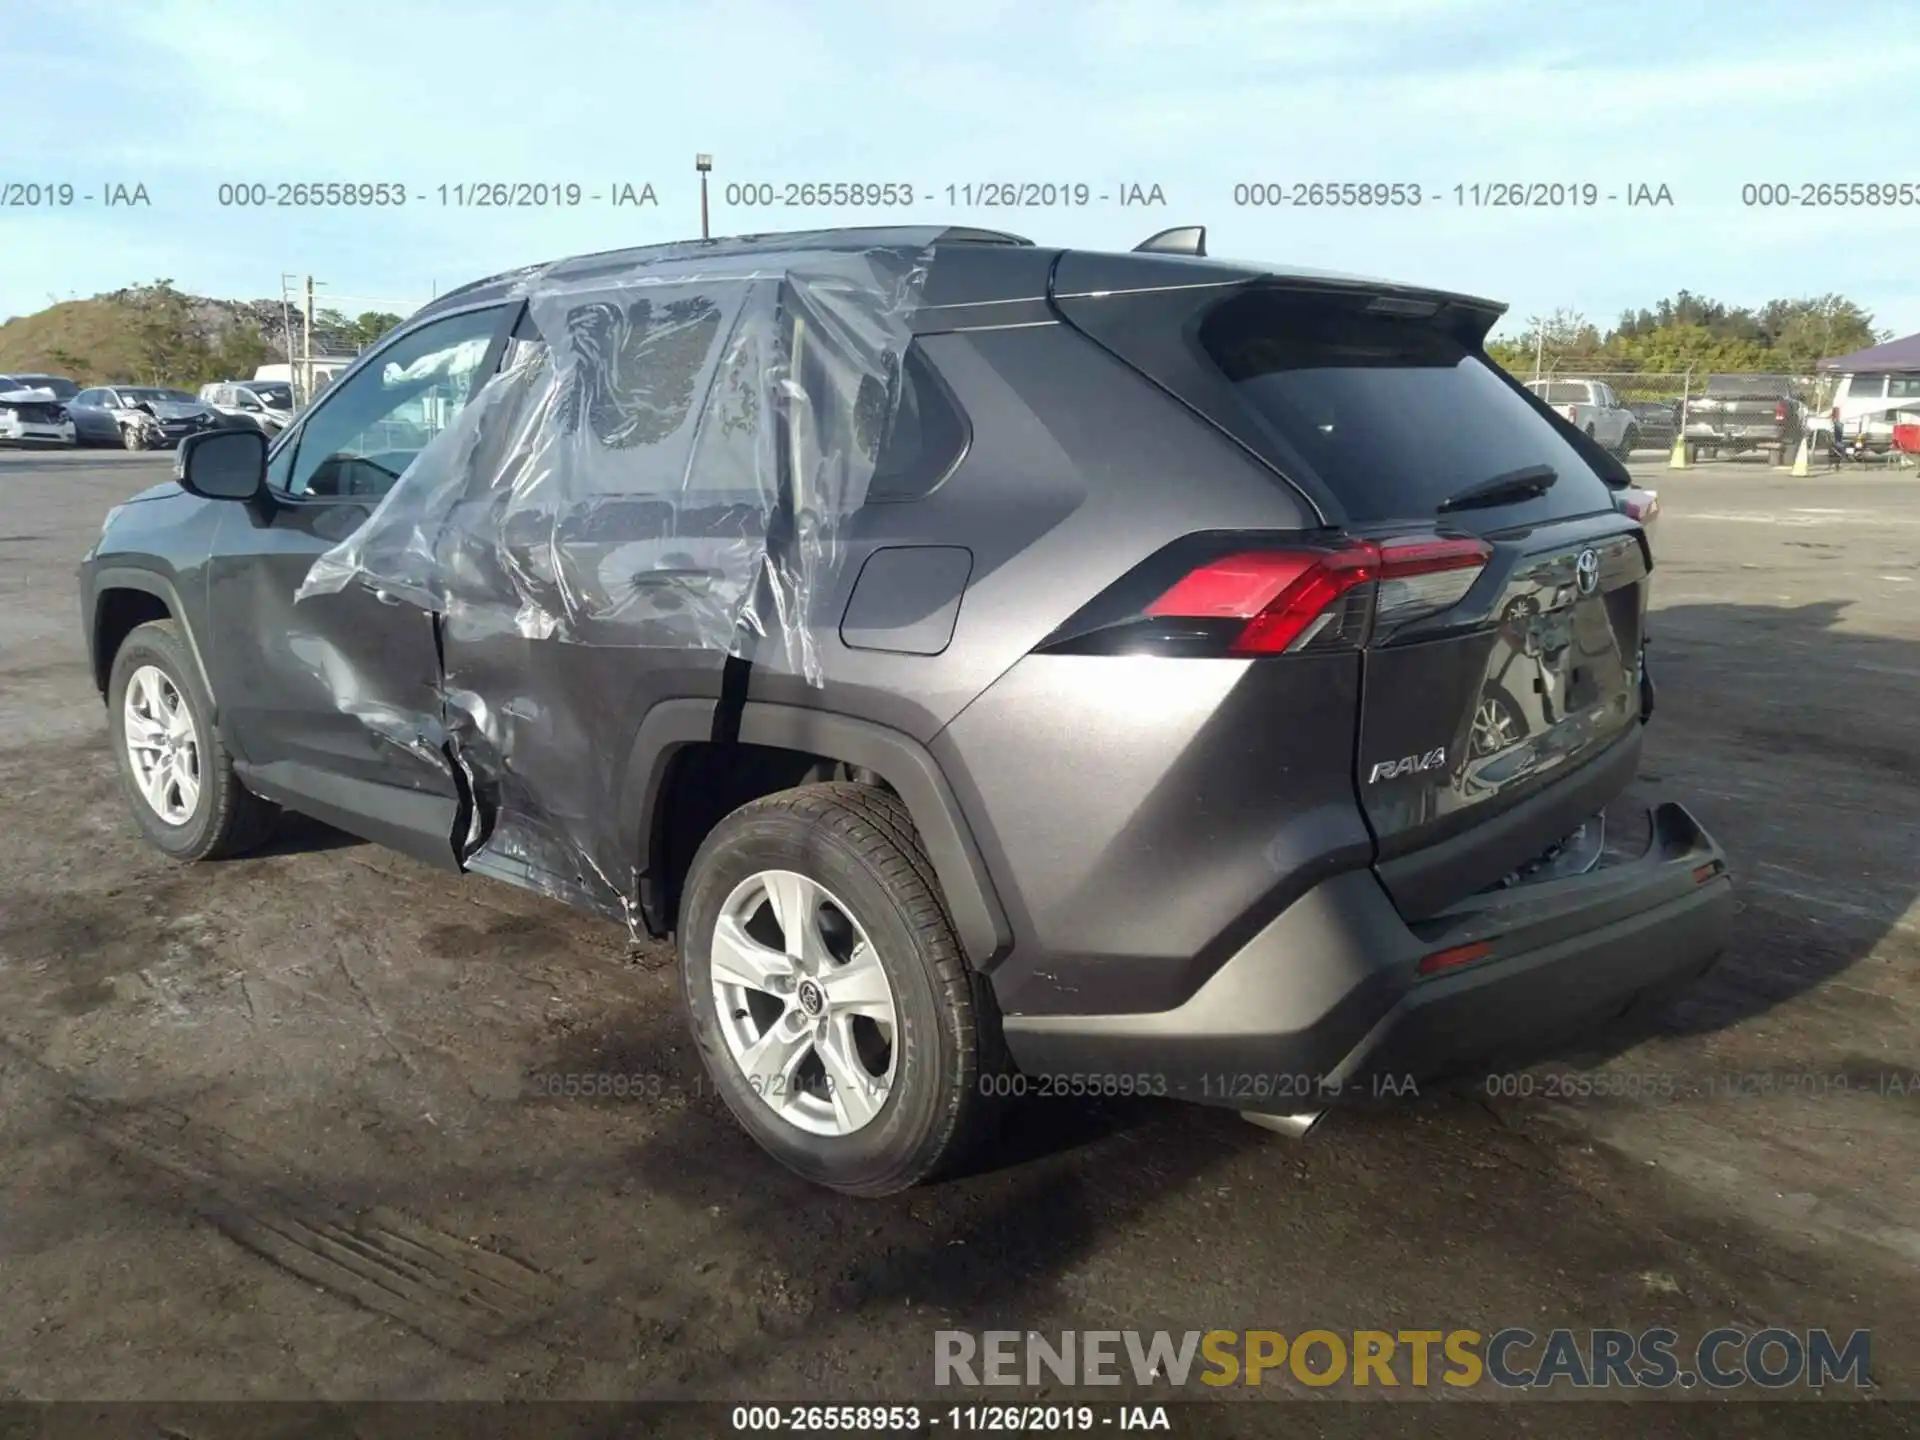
[58, 386]
[325, 372]
[1739, 413]
[1591, 405]
[266, 405]
[140, 417]
[1357, 833]
[31, 413]
[1658, 421]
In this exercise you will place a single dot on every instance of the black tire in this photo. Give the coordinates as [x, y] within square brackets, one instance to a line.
[228, 819]
[859, 842]
[1629, 442]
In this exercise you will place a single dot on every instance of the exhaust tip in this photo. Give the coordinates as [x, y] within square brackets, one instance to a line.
[1295, 1127]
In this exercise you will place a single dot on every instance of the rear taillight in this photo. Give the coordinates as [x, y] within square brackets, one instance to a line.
[1779, 410]
[1642, 505]
[1421, 577]
[1275, 600]
[1284, 599]
[1442, 960]
[1573, 413]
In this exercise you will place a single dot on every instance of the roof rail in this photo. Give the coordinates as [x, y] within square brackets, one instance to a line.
[1181, 240]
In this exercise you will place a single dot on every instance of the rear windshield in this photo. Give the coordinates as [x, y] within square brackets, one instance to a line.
[1564, 394]
[1748, 384]
[62, 388]
[1393, 414]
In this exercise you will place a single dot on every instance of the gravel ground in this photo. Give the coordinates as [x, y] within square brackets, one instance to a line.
[274, 1128]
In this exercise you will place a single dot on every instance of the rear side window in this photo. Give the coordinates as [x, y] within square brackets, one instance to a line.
[910, 425]
[1564, 394]
[1394, 415]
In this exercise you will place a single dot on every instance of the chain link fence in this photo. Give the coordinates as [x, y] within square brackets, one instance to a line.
[1720, 413]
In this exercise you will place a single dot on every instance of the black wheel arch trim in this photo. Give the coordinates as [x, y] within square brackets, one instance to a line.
[897, 758]
[124, 577]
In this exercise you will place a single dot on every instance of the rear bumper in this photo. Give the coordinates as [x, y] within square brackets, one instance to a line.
[1738, 434]
[1326, 1003]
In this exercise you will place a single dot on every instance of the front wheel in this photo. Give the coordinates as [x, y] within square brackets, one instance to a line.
[828, 994]
[133, 437]
[177, 776]
[1629, 442]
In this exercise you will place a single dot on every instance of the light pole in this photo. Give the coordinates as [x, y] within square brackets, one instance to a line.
[704, 164]
[286, 326]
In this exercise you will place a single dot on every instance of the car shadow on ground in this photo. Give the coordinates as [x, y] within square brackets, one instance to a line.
[295, 834]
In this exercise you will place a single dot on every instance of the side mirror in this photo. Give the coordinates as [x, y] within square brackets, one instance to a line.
[222, 464]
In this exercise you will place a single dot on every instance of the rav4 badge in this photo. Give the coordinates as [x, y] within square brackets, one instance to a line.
[1408, 765]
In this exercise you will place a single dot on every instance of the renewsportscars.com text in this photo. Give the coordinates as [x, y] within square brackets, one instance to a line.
[1771, 1358]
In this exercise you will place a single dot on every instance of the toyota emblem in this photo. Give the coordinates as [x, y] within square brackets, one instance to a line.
[1586, 571]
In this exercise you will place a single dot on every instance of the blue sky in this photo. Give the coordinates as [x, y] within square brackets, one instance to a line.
[1194, 96]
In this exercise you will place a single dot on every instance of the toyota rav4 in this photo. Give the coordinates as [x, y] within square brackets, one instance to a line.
[1209, 684]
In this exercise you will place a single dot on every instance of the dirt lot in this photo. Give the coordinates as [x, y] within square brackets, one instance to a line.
[274, 1128]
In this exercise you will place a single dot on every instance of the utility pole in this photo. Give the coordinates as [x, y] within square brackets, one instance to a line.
[704, 164]
[286, 325]
[307, 347]
[1539, 347]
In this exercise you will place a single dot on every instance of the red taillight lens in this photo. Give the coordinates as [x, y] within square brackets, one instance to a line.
[1452, 959]
[1294, 598]
[1780, 410]
[1285, 596]
[1573, 413]
[1236, 587]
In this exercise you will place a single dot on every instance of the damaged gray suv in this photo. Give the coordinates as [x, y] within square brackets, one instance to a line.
[1003, 670]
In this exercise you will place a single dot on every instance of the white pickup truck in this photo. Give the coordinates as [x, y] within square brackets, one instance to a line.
[1593, 407]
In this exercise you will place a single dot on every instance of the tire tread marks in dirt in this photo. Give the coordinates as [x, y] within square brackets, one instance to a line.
[454, 1292]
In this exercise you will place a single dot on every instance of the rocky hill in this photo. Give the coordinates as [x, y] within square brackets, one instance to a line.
[156, 334]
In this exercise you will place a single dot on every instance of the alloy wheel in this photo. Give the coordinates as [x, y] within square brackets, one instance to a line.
[805, 1007]
[1493, 726]
[162, 745]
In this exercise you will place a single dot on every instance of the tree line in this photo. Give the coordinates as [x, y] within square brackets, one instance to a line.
[1688, 331]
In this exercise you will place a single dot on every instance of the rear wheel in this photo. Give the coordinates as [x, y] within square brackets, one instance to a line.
[177, 776]
[828, 994]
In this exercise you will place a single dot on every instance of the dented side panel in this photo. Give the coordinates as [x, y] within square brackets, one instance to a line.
[331, 704]
[653, 484]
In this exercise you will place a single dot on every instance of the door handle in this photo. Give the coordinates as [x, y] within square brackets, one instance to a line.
[384, 596]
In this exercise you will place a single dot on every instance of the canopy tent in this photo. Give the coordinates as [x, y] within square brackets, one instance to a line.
[1903, 354]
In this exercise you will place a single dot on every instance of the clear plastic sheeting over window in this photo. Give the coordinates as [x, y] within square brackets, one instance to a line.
[663, 459]
[661, 464]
